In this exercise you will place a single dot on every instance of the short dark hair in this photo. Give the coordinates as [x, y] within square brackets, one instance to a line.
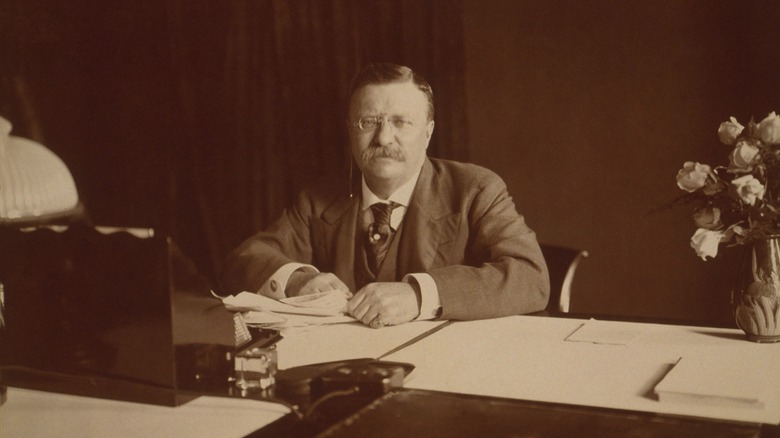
[386, 73]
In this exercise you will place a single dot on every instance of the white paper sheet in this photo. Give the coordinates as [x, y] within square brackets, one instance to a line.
[718, 380]
[246, 301]
[285, 320]
[304, 346]
[604, 332]
[32, 414]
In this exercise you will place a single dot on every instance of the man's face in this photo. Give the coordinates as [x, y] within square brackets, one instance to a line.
[391, 152]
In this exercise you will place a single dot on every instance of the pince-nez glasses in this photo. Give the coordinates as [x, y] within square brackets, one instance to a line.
[371, 123]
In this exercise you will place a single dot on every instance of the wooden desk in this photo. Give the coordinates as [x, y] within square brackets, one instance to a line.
[529, 358]
[520, 376]
[32, 414]
[523, 363]
[316, 344]
[29, 413]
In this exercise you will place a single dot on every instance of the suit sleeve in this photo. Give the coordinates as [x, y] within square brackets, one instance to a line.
[288, 240]
[504, 272]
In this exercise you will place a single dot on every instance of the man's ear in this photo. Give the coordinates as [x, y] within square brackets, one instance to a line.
[429, 129]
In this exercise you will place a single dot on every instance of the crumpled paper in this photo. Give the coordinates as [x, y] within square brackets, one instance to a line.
[331, 303]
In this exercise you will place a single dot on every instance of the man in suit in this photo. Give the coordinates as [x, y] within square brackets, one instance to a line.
[426, 238]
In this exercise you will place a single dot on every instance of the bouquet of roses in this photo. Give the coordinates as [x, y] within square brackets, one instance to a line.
[740, 202]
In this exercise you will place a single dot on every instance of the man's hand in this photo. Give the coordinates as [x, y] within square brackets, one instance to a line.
[390, 303]
[307, 283]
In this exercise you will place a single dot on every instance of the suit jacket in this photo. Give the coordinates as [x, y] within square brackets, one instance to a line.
[461, 227]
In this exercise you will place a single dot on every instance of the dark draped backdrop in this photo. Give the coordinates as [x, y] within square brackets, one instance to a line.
[204, 118]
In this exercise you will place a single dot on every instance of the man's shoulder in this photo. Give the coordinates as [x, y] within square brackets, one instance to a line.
[458, 184]
[459, 171]
[323, 192]
[328, 185]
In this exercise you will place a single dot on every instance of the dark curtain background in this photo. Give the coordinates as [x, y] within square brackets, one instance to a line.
[204, 118]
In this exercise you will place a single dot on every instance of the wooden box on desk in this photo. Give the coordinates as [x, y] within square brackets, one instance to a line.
[109, 313]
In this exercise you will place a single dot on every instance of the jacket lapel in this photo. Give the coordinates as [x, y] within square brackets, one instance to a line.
[336, 237]
[428, 224]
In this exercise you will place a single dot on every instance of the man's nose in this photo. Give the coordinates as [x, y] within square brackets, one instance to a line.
[384, 133]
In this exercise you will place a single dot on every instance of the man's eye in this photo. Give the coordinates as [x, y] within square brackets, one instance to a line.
[368, 123]
[400, 123]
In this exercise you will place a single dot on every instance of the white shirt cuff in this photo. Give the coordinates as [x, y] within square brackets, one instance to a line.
[275, 285]
[430, 304]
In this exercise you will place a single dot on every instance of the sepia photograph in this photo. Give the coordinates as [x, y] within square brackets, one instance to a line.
[380, 218]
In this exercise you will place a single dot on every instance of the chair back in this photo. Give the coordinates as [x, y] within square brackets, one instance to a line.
[562, 263]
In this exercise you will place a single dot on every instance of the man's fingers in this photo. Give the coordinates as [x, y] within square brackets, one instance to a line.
[335, 283]
[366, 305]
[369, 316]
[354, 302]
[324, 282]
[392, 303]
[364, 311]
[358, 306]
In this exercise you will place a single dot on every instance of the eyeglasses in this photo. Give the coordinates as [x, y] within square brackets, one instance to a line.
[373, 122]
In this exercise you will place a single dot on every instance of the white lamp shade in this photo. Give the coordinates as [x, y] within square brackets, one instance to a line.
[34, 182]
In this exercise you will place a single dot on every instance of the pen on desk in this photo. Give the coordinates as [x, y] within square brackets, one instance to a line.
[2, 305]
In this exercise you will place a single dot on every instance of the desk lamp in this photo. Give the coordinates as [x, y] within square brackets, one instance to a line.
[98, 311]
[36, 186]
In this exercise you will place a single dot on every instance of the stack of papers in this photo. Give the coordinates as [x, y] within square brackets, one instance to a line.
[322, 308]
[714, 380]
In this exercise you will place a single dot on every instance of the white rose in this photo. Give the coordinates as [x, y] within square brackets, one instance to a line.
[705, 243]
[769, 129]
[742, 157]
[707, 218]
[748, 189]
[692, 176]
[729, 131]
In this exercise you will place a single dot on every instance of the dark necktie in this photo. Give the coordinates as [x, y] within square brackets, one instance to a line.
[379, 235]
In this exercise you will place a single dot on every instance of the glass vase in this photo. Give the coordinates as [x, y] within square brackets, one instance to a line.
[755, 296]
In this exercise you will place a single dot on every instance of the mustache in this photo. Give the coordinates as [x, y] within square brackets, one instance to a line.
[383, 152]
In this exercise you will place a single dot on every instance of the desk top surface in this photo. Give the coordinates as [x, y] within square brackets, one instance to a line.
[519, 357]
[530, 358]
[29, 413]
